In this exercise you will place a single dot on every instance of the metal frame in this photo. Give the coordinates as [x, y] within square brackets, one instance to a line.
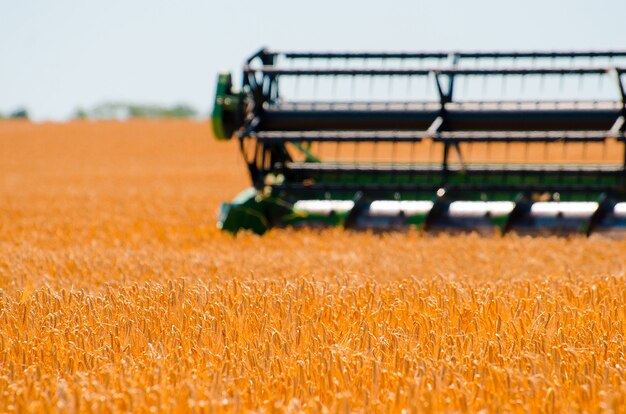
[267, 127]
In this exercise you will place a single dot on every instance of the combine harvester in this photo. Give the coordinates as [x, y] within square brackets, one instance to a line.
[531, 142]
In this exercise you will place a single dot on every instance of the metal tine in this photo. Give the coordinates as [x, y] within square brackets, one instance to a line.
[503, 80]
[412, 162]
[601, 79]
[496, 65]
[513, 66]
[374, 151]
[352, 97]
[390, 91]
[563, 158]
[333, 86]
[409, 85]
[571, 61]
[394, 160]
[465, 79]
[408, 92]
[542, 77]
[581, 81]
[371, 88]
[390, 86]
[584, 157]
[562, 79]
[354, 83]
[544, 160]
[468, 148]
[310, 64]
[329, 65]
[402, 97]
[429, 83]
[296, 86]
[485, 78]
[430, 158]
[383, 64]
[355, 154]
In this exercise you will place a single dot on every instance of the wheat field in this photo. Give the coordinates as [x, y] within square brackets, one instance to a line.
[118, 294]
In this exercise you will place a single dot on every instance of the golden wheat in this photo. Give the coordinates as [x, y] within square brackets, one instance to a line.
[118, 294]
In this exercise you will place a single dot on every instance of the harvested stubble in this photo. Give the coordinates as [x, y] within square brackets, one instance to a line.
[119, 294]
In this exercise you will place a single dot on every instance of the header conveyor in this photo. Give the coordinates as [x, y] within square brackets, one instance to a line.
[515, 141]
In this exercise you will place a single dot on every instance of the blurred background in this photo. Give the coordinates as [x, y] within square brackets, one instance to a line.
[154, 58]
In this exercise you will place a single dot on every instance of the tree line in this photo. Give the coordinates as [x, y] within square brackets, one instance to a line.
[20, 113]
[121, 111]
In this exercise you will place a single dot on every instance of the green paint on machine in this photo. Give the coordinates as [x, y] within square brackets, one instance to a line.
[281, 136]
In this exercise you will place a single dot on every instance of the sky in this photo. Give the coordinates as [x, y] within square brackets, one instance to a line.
[58, 55]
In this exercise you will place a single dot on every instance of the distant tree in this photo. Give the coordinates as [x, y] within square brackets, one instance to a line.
[136, 111]
[181, 111]
[80, 114]
[120, 110]
[20, 113]
[157, 111]
[109, 110]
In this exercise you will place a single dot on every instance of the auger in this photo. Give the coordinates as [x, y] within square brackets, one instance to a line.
[473, 141]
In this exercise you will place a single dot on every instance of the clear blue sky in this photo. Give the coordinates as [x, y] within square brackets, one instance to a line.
[57, 55]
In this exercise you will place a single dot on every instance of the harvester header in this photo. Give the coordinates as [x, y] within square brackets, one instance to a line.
[505, 141]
